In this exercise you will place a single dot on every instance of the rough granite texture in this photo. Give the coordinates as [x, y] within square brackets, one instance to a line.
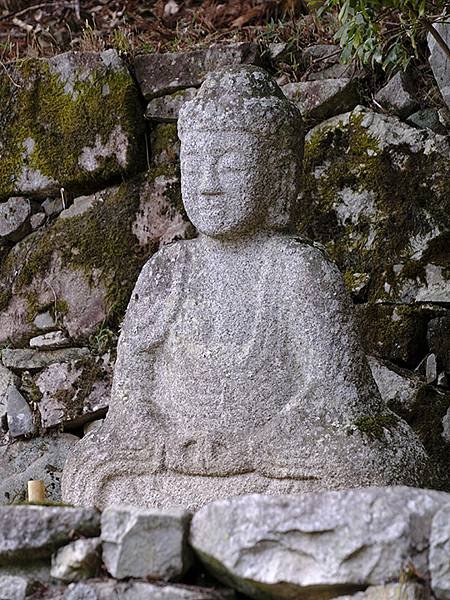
[440, 553]
[440, 63]
[145, 543]
[317, 545]
[31, 533]
[238, 368]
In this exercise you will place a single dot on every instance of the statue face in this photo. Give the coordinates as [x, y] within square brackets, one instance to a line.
[224, 182]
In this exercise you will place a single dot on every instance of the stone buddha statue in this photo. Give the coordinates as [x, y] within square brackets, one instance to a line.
[238, 366]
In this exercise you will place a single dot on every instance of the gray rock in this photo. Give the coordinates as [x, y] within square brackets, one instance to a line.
[161, 74]
[397, 387]
[74, 84]
[18, 414]
[145, 543]
[53, 206]
[77, 561]
[82, 204]
[440, 63]
[37, 220]
[227, 379]
[391, 591]
[44, 321]
[324, 98]
[428, 118]
[397, 97]
[13, 587]
[7, 379]
[32, 360]
[139, 590]
[319, 544]
[92, 426]
[446, 427]
[32, 533]
[431, 368]
[50, 341]
[14, 219]
[440, 553]
[74, 392]
[38, 458]
[165, 109]
[439, 340]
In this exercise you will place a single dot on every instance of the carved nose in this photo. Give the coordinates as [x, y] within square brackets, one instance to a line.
[209, 180]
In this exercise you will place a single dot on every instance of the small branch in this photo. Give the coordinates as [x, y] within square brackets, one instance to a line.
[9, 76]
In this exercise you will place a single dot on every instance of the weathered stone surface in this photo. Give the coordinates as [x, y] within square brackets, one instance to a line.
[84, 265]
[324, 98]
[14, 219]
[239, 368]
[13, 587]
[397, 95]
[145, 543]
[7, 379]
[428, 118]
[77, 561]
[440, 63]
[398, 388]
[35, 532]
[440, 553]
[37, 220]
[165, 109]
[139, 590]
[32, 360]
[38, 458]
[74, 392]
[44, 321]
[391, 591]
[161, 74]
[50, 341]
[375, 194]
[74, 121]
[316, 545]
[18, 414]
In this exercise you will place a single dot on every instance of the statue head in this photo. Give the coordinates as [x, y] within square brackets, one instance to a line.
[241, 152]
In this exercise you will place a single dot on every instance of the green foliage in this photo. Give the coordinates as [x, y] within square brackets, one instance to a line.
[384, 32]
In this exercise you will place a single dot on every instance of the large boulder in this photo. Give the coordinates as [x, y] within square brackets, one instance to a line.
[318, 544]
[82, 267]
[72, 121]
[440, 553]
[376, 195]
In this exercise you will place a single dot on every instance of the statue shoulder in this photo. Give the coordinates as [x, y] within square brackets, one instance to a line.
[306, 256]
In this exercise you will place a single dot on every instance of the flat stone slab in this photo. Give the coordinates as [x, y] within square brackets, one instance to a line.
[145, 543]
[161, 74]
[316, 545]
[32, 360]
[29, 533]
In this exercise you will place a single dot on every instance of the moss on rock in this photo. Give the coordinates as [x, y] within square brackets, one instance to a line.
[72, 121]
[375, 193]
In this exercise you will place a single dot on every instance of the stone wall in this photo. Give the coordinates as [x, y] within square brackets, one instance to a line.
[89, 189]
[369, 544]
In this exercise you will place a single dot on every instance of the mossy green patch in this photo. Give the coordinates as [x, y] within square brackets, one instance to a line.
[374, 426]
[47, 125]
